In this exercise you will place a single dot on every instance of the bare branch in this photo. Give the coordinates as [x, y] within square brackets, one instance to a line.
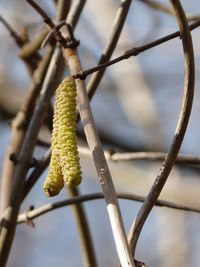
[109, 46]
[63, 8]
[79, 212]
[20, 41]
[46, 19]
[181, 159]
[133, 52]
[71, 57]
[31, 61]
[36, 173]
[180, 130]
[30, 215]
[83, 229]
[31, 47]
[144, 155]
[75, 12]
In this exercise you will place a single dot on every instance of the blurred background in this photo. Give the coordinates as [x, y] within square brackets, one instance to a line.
[136, 108]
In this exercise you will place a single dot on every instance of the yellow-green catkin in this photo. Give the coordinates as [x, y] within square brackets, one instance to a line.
[64, 164]
[54, 180]
[69, 158]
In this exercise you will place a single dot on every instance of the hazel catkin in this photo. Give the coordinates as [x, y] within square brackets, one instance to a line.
[64, 164]
[69, 158]
[54, 180]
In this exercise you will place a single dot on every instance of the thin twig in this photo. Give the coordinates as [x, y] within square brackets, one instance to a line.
[74, 13]
[180, 130]
[145, 155]
[71, 57]
[135, 51]
[109, 46]
[88, 251]
[20, 40]
[31, 61]
[112, 155]
[83, 230]
[30, 215]
[31, 47]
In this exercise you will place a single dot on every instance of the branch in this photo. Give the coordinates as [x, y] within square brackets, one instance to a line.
[31, 62]
[146, 155]
[63, 8]
[109, 46]
[42, 13]
[20, 41]
[31, 47]
[83, 229]
[75, 12]
[159, 183]
[71, 57]
[30, 215]
[135, 51]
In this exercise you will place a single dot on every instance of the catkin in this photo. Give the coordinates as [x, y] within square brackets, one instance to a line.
[69, 158]
[54, 180]
[64, 164]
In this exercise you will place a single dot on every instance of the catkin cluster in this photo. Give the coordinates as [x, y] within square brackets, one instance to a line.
[64, 163]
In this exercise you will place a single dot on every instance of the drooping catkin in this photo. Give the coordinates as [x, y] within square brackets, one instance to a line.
[64, 164]
[69, 158]
[54, 180]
